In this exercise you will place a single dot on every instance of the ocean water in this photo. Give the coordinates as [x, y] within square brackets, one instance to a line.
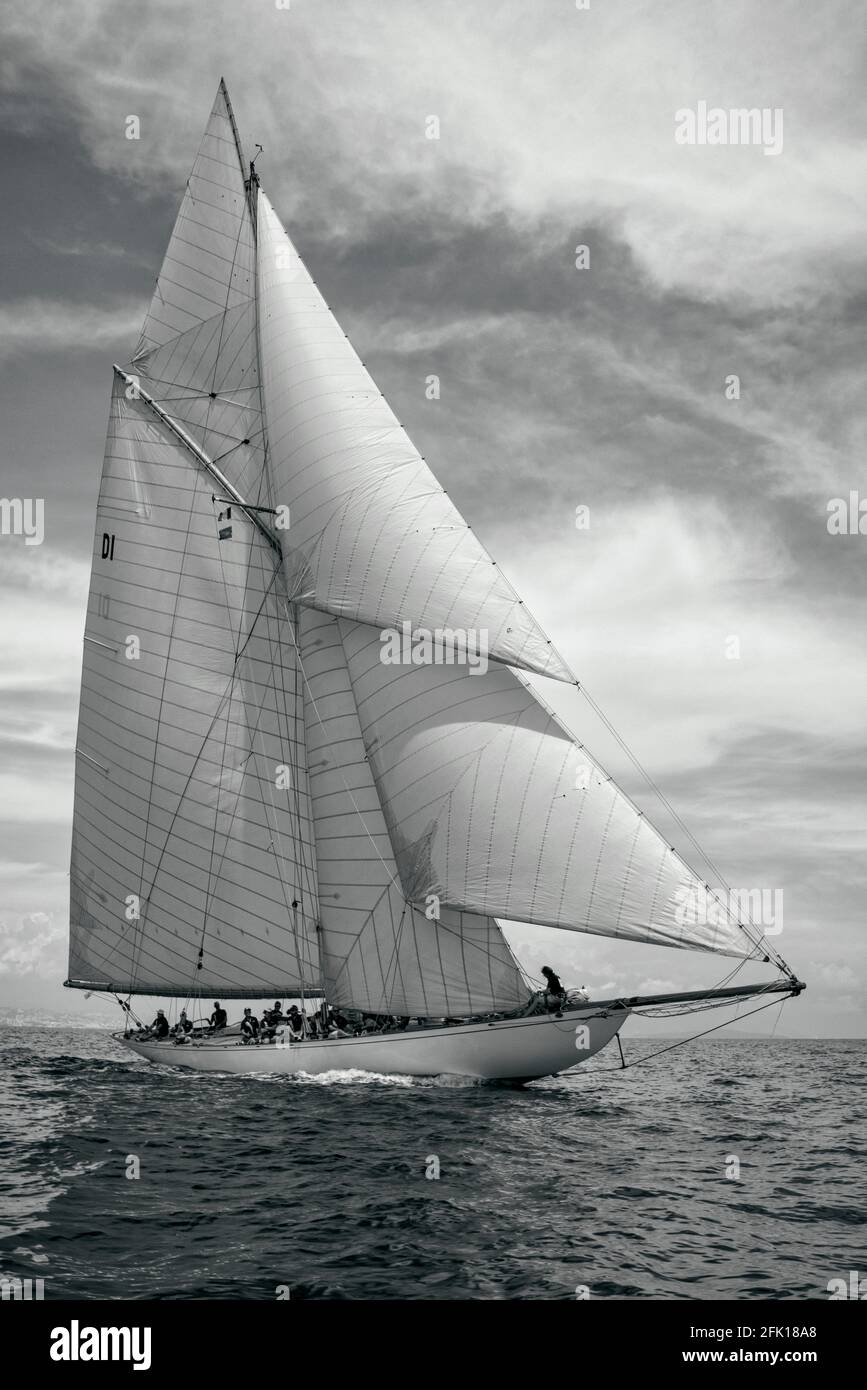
[611, 1180]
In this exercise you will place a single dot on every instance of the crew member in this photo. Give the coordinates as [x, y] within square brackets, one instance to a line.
[219, 1018]
[160, 1025]
[554, 991]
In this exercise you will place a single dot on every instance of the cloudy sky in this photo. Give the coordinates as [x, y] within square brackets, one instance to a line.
[601, 387]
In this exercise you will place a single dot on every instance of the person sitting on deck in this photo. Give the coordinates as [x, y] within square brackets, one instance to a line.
[296, 1022]
[160, 1025]
[183, 1025]
[219, 1018]
[249, 1026]
[268, 1025]
[554, 992]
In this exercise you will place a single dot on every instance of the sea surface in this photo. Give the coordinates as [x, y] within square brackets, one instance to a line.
[601, 1179]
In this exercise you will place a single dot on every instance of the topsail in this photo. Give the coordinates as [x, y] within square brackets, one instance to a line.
[263, 804]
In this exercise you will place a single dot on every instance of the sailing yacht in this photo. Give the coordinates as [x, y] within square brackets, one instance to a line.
[265, 806]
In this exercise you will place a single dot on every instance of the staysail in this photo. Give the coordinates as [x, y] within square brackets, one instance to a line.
[381, 950]
[264, 801]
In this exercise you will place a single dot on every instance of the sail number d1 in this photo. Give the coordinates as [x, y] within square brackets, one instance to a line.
[107, 546]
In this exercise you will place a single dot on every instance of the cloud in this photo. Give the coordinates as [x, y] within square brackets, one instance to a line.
[33, 944]
[54, 326]
[837, 976]
[542, 108]
[652, 985]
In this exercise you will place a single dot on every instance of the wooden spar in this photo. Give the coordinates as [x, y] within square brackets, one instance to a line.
[201, 457]
[639, 1001]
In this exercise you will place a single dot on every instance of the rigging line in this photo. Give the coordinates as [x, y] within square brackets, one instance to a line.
[468, 947]
[138, 934]
[681, 1042]
[393, 877]
[758, 945]
[392, 963]
[290, 723]
[239, 444]
[276, 836]
[224, 313]
[213, 877]
[368, 921]
[308, 870]
[236, 637]
[703, 1004]
[192, 393]
[226, 694]
[210, 888]
[213, 880]
[293, 725]
[296, 740]
[236, 134]
[778, 1017]
[270, 826]
[680, 823]
[218, 396]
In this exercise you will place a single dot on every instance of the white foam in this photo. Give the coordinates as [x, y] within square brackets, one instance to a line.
[354, 1076]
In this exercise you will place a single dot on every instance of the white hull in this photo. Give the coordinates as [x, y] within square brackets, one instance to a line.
[518, 1049]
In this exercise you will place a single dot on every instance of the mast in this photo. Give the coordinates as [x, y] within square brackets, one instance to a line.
[251, 188]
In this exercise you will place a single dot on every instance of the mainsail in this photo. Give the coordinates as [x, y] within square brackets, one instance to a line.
[188, 852]
[264, 803]
[181, 804]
